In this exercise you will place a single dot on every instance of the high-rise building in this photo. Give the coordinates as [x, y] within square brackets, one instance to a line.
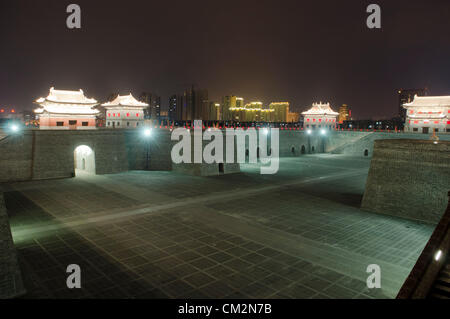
[212, 112]
[153, 111]
[252, 112]
[407, 96]
[345, 114]
[281, 110]
[175, 107]
[230, 102]
[194, 105]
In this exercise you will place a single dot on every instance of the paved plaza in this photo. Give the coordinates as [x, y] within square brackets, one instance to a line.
[297, 234]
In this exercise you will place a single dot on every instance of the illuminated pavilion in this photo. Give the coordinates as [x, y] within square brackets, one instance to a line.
[427, 113]
[65, 110]
[320, 115]
[124, 112]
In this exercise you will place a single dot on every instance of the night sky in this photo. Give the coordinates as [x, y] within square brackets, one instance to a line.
[296, 51]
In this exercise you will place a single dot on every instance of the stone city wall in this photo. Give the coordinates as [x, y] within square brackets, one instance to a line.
[45, 154]
[409, 178]
[11, 284]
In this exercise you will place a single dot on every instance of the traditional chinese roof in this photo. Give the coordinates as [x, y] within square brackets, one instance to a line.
[429, 101]
[125, 100]
[64, 96]
[320, 109]
[66, 102]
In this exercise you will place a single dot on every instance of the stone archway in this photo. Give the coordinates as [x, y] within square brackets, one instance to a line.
[303, 150]
[84, 160]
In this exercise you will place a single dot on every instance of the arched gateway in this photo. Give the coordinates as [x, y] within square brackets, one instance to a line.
[84, 160]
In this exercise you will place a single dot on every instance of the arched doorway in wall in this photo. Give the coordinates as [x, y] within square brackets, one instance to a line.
[84, 160]
[312, 149]
[293, 150]
[303, 150]
[221, 168]
[366, 152]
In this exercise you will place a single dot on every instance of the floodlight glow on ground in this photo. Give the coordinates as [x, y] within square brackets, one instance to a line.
[14, 128]
[308, 132]
[323, 132]
[265, 131]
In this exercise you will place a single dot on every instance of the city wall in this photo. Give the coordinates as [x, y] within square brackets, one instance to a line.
[409, 178]
[46, 154]
[11, 284]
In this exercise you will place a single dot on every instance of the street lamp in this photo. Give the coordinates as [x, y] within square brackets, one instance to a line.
[147, 132]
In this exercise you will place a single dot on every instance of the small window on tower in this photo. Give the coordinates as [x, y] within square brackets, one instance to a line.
[72, 122]
[84, 123]
[59, 123]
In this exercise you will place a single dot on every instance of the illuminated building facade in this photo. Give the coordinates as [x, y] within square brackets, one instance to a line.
[427, 113]
[406, 96]
[293, 117]
[252, 112]
[212, 112]
[320, 116]
[280, 111]
[124, 112]
[345, 114]
[63, 109]
[230, 102]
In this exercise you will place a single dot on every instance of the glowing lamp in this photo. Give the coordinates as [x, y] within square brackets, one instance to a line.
[147, 132]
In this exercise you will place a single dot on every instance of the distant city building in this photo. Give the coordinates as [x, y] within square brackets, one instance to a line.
[213, 111]
[164, 116]
[230, 102]
[252, 112]
[345, 114]
[194, 105]
[124, 112]
[293, 117]
[175, 105]
[427, 113]
[320, 116]
[63, 109]
[153, 111]
[281, 110]
[406, 96]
